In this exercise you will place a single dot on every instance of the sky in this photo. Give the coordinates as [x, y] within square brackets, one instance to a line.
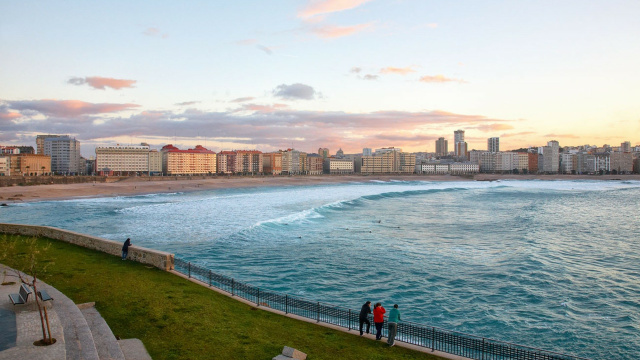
[347, 74]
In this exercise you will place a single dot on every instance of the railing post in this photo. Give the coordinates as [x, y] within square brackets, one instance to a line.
[209, 278]
[233, 285]
[318, 311]
[189, 266]
[349, 320]
[258, 298]
[433, 339]
[482, 348]
[286, 304]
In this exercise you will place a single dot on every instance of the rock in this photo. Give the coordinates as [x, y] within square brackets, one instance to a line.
[293, 353]
[281, 357]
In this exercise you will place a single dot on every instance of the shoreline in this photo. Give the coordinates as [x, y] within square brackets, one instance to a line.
[144, 185]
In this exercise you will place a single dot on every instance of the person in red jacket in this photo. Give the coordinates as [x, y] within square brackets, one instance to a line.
[378, 319]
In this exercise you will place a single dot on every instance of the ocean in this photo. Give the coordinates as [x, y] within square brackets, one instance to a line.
[549, 264]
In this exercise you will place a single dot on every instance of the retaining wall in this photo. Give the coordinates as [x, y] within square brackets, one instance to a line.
[159, 259]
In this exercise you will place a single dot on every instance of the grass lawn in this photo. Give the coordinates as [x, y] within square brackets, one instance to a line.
[177, 319]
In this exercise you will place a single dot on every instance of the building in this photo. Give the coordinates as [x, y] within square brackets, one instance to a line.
[335, 166]
[304, 166]
[459, 145]
[40, 142]
[194, 161]
[65, 154]
[4, 166]
[315, 164]
[533, 162]
[551, 157]
[248, 162]
[387, 161]
[463, 168]
[324, 152]
[28, 164]
[291, 161]
[367, 152]
[122, 160]
[272, 163]
[155, 162]
[442, 147]
[340, 153]
[493, 144]
[625, 147]
[621, 162]
[523, 162]
[568, 163]
[226, 162]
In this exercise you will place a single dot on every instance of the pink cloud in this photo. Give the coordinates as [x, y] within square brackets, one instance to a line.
[439, 79]
[265, 109]
[333, 31]
[397, 70]
[101, 83]
[67, 108]
[242, 99]
[494, 127]
[319, 7]
[9, 115]
[566, 136]
[152, 31]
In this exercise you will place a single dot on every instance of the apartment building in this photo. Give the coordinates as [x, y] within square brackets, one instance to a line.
[315, 164]
[442, 147]
[291, 162]
[155, 162]
[272, 163]
[65, 155]
[122, 160]
[248, 162]
[198, 160]
[621, 162]
[27, 164]
[4, 166]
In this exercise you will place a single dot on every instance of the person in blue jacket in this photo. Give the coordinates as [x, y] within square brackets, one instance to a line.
[394, 318]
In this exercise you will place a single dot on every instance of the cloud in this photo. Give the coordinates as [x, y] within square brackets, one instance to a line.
[370, 77]
[242, 99]
[355, 70]
[262, 108]
[267, 50]
[397, 70]
[295, 91]
[523, 133]
[7, 115]
[66, 108]
[432, 25]
[321, 7]
[334, 31]
[439, 79]
[152, 31]
[187, 103]
[102, 83]
[494, 127]
[562, 136]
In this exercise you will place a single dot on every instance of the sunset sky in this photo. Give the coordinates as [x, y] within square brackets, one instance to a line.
[330, 73]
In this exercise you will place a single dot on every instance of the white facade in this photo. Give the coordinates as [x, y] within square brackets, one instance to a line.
[122, 159]
[457, 168]
[338, 166]
[65, 154]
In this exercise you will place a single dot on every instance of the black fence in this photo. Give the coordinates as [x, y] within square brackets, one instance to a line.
[433, 338]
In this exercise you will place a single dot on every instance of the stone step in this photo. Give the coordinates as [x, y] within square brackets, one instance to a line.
[105, 342]
[133, 349]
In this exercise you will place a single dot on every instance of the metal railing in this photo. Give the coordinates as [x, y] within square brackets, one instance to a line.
[452, 342]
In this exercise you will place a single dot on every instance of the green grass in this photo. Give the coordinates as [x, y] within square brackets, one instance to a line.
[177, 319]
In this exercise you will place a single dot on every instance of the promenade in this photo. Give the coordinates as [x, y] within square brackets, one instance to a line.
[79, 330]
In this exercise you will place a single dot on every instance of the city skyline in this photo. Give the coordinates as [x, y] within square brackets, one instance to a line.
[348, 74]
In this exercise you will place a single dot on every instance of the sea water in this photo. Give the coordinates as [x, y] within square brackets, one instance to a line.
[548, 264]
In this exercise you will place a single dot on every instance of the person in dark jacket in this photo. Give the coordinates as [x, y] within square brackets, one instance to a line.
[364, 316]
[125, 248]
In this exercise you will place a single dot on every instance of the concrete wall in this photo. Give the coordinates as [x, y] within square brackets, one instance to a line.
[159, 259]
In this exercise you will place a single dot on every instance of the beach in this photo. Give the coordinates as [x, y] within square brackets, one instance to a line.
[151, 185]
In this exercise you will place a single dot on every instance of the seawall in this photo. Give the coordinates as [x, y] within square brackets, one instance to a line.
[160, 259]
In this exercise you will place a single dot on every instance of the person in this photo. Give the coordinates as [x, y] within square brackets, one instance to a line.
[378, 319]
[125, 248]
[364, 316]
[394, 318]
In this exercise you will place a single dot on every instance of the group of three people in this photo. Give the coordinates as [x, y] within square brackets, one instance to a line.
[378, 319]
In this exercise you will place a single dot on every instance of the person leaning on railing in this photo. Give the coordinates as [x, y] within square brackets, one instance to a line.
[378, 319]
[394, 318]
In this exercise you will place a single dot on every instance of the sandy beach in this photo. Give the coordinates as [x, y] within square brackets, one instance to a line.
[145, 185]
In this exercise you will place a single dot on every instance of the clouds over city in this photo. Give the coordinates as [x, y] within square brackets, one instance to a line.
[101, 83]
[268, 125]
